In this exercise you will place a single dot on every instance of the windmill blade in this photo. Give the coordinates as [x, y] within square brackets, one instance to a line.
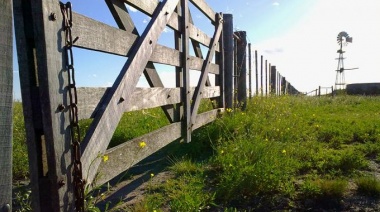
[351, 68]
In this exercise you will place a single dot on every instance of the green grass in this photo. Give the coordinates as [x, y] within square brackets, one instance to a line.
[20, 166]
[280, 149]
[369, 186]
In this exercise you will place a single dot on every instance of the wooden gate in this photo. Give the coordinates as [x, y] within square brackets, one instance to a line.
[44, 84]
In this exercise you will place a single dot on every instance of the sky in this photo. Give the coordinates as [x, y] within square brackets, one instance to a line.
[299, 37]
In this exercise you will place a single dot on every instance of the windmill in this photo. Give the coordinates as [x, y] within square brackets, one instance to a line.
[343, 39]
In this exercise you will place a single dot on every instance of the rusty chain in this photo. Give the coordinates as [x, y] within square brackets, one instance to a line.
[78, 180]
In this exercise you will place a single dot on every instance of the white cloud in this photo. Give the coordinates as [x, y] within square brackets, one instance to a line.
[276, 4]
[306, 54]
[166, 30]
[146, 20]
[132, 9]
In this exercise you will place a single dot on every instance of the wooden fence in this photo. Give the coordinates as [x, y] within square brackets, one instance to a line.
[50, 96]
[46, 88]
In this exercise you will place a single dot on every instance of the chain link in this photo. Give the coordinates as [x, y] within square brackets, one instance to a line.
[78, 180]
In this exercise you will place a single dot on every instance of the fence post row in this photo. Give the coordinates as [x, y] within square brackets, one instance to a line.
[6, 102]
[40, 40]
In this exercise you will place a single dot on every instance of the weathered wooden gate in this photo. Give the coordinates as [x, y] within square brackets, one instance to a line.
[50, 96]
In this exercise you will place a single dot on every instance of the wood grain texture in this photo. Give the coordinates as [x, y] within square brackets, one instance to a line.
[95, 35]
[124, 156]
[120, 13]
[185, 97]
[90, 99]
[32, 113]
[105, 123]
[6, 103]
[174, 23]
[228, 59]
[40, 41]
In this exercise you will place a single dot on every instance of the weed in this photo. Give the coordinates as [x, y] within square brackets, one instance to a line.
[23, 202]
[20, 154]
[333, 189]
[369, 186]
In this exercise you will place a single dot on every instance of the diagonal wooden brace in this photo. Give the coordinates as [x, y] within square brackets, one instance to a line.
[124, 21]
[106, 121]
[205, 70]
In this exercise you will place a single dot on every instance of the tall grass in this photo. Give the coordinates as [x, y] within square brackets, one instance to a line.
[262, 155]
[279, 151]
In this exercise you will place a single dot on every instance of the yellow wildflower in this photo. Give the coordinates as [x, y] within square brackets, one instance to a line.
[283, 151]
[221, 152]
[105, 158]
[151, 175]
[142, 144]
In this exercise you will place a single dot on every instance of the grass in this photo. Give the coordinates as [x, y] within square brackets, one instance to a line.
[278, 152]
[368, 186]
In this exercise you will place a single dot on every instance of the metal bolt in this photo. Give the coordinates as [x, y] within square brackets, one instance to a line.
[7, 208]
[61, 183]
[53, 16]
[60, 107]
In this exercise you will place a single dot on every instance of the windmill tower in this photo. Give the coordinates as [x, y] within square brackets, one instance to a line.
[343, 39]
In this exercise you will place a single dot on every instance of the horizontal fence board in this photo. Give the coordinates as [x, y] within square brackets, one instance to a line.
[197, 63]
[142, 98]
[124, 156]
[199, 36]
[174, 22]
[104, 38]
[95, 35]
[205, 9]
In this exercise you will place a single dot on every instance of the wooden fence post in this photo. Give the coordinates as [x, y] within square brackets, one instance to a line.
[228, 40]
[219, 59]
[236, 73]
[266, 77]
[319, 91]
[6, 103]
[261, 76]
[278, 83]
[273, 75]
[283, 85]
[186, 75]
[249, 70]
[257, 74]
[242, 68]
[40, 39]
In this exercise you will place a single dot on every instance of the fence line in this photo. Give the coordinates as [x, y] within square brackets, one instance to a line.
[46, 88]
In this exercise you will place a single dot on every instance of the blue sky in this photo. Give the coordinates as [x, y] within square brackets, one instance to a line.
[298, 36]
